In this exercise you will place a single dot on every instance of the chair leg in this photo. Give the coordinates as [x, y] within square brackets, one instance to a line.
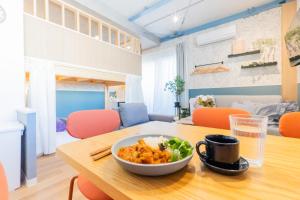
[71, 188]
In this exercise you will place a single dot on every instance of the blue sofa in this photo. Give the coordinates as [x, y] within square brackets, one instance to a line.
[136, 113]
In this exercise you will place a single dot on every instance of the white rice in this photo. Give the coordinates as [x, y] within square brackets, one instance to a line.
[154, 141]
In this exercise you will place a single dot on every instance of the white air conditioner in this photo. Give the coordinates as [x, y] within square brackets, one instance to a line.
[216, 35]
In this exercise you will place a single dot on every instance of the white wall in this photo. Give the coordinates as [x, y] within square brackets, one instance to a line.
[261, 26]
[12, 89]
[11, 60]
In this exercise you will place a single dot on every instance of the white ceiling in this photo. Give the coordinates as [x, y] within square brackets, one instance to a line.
[160, 20]
[158, 23]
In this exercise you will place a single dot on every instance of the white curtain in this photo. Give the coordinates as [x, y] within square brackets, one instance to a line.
[42, 98]
[133, 89]
[181, 71]
[157, 69]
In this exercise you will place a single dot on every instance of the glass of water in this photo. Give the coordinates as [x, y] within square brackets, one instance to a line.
[251, 131]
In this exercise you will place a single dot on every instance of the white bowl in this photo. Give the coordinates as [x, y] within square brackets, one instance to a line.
[147, 169]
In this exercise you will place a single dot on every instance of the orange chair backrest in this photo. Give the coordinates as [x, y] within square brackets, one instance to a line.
[89, 123]
[3, 184]
[215, 117]
[289, 125]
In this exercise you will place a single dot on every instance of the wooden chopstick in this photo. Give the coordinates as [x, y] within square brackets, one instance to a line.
[100, 150]
[101, 155]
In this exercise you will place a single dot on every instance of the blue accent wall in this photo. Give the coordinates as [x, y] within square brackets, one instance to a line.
[70, 101]
[252, 90]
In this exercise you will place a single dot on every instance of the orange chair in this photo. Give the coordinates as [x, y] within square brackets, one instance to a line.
[215, 117]
[289, 125]
[3, 184]
[85, 124]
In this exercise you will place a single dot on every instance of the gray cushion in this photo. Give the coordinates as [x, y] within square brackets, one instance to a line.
[133, 113]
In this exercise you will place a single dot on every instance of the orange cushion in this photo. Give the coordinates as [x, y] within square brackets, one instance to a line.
[3, 184]
[88, 123]
[215, 117]
[289, 125]
[89, 190]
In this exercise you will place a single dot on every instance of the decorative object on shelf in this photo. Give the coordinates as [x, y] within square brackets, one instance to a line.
[244, 53]
[259, 64]
[292, 41]
[176, 87]
[267, 47]
[205, 101]
[2, 14]
[238, 46]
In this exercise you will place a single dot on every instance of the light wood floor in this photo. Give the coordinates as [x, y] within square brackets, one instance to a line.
[53, 182]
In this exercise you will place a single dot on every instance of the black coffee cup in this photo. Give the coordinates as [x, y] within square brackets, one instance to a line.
[220, 149]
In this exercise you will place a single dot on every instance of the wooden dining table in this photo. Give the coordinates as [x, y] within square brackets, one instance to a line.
[278, 178]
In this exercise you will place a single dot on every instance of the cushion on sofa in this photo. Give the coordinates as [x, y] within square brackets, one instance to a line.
[133, 113]
[248, 106]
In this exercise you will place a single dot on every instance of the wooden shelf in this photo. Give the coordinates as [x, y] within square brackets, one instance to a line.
[244, 54]
[210, 69]
[255, 65]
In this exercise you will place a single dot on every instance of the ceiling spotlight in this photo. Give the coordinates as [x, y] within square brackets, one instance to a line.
[175, 18]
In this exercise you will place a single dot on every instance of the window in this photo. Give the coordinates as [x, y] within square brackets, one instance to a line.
[83, 24]
[136, 46]
[105, 33]
[95, 30]
[114, 37]
[129, 43]
[70, 18]
[40, 8]
[28, 6]
[55, 12]
[122, 40]
[154, 78]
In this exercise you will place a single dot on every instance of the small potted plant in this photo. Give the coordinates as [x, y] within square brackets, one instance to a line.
[176, 87]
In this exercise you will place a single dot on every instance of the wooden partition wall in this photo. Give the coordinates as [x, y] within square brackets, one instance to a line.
[68, 16]
[60, 32]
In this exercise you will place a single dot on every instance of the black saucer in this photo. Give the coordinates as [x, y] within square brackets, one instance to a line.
[227, 169]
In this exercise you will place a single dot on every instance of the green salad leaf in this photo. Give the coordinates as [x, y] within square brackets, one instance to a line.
[179, 148]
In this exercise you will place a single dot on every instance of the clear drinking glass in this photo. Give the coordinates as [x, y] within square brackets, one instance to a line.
[251, 131]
